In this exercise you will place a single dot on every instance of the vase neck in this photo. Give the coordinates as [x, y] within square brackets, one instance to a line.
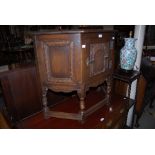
[130, 42]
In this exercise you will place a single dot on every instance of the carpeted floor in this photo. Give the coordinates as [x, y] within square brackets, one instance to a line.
[147, 120]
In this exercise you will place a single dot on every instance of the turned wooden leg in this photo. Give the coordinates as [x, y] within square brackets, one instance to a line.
[82, 95]
[109, 85]
[44, 100]
[129, 91]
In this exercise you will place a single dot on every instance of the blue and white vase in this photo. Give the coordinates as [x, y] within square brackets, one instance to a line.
[128, 54]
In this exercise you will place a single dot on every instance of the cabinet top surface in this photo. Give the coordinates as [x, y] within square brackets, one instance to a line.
[73, 31]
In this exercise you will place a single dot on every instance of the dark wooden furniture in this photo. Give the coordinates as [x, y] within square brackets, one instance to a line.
[3, 122]
[146, 87]
[149, 52]
[22, 93]
[74, 61]
[108, 117]
[139, 108]
[17, 56]
[128, 78]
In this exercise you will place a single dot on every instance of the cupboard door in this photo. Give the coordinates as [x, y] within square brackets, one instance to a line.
[57, 55]
[98, 53]
[98, 58]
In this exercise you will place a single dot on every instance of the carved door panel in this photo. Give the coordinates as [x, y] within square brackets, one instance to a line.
[98, 58]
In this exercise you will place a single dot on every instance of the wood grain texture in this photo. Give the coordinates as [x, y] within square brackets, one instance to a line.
[112, 119]
[140, 94]
[22, 93]
[74, 61]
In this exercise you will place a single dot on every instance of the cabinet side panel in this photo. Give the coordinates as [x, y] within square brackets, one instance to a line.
[39, 54]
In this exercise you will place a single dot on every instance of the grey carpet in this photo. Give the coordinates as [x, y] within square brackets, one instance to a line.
[147, 120]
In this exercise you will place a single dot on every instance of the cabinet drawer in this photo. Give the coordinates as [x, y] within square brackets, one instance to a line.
[114, 120]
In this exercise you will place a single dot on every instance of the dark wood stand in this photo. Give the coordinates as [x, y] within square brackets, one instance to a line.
[128, 78]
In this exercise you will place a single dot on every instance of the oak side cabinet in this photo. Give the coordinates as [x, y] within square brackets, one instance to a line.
[74, 61]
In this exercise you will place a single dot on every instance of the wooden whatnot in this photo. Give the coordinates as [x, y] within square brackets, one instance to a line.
[74, 61]
[128, 78]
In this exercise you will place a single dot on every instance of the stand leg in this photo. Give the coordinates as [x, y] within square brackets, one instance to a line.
[82, 95]
[44, 100]
[129, 90]
[109, 85]
[135, 113]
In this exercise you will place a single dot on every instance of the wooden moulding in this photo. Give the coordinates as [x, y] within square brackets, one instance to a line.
[77, 116]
